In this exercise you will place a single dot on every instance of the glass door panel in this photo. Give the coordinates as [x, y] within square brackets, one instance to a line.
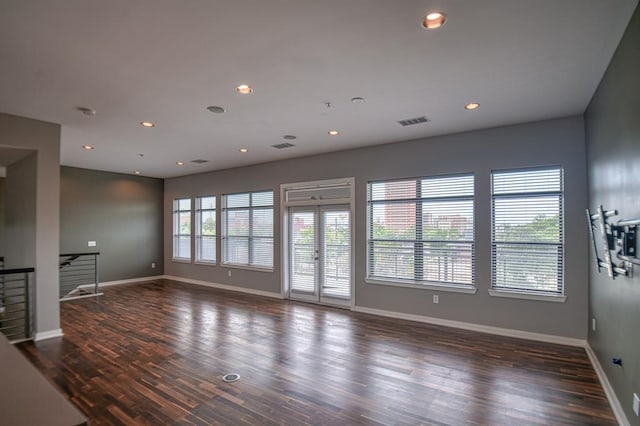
[303, 252]
[336, 253]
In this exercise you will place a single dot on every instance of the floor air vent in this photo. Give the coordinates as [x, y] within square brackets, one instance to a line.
[283, 145]
[231, 377]
[412, 121]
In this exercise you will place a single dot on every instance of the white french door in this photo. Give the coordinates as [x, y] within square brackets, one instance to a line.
[320, 254]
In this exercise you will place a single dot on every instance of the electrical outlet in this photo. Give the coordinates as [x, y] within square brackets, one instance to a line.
[91, 243]
[229, 273]
[436, 298]
[153, 265]
[593, 324]
[636, 404]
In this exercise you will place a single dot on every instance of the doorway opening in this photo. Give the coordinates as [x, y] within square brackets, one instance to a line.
[318, 242]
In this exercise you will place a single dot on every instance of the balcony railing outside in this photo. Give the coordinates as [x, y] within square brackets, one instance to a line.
[337, 269]
[450, 263]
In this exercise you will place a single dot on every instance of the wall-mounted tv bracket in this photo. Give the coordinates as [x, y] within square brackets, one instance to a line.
[619, 237]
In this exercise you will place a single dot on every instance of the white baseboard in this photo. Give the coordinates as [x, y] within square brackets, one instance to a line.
[621, 417]
[225, 287]
[569, 341]
[49, 334]
[120, 282]
[131, 281]
[84, 296]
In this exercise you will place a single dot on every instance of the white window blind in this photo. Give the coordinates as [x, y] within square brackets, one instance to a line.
[247, 238]
[206, 229]
[422, 230]
[182, 229]
[527, 227]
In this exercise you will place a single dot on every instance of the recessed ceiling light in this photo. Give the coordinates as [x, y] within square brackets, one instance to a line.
[471, 106]
[216, 109]
[243, 150]
[87, 111]
[244, 89]
[434, 20]
[180, 163]
[357, 100]
[333, 132]
[137, 172]
[87, 147]
[147, 124]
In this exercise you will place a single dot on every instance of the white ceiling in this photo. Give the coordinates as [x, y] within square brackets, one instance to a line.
[165, 61]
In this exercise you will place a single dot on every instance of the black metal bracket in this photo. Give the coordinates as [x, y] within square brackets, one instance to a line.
[619, 237]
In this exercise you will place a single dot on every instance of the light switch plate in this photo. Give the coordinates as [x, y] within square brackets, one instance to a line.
[91, 244]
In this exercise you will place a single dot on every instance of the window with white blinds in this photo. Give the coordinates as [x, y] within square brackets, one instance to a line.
[247, 231]
[182, 229]
[527, 227]
[206, 229]
[422, 230]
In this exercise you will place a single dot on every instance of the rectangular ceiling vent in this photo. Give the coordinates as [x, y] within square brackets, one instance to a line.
[283, 145]
[200, 161]
[412, 121]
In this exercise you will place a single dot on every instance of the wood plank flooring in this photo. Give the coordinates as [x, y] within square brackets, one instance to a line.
[154, 353]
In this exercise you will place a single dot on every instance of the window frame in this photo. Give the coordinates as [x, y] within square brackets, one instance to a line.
[520, 291]
[251, 237]
[177, 228]
[198, 231]
[419, 201]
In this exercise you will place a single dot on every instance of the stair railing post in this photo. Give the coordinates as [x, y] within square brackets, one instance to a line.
[95, 256]
[27, 306]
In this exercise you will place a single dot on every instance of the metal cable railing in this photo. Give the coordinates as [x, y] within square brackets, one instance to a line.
[79, 275]
[15, 303]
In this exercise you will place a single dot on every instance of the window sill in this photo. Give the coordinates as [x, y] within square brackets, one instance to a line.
[205, 263]
[181, 260]
[514, 294]
[426, 286]
[246, 267]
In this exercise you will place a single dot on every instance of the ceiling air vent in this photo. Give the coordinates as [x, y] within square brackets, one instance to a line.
[412, 121]
[200, 161]
[283, 145]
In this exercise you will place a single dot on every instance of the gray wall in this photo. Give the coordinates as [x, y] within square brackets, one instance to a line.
[20, 213]
[2, 204]
[43, 137]
[122, 213]
[554, 142]
[613, 144]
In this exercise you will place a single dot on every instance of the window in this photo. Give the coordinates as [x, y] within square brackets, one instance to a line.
[421, 230]
[527, 223]
[247, 233]
[206, 229]
[182, 229]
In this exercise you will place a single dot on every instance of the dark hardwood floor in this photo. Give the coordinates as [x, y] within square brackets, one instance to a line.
[154, 353]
